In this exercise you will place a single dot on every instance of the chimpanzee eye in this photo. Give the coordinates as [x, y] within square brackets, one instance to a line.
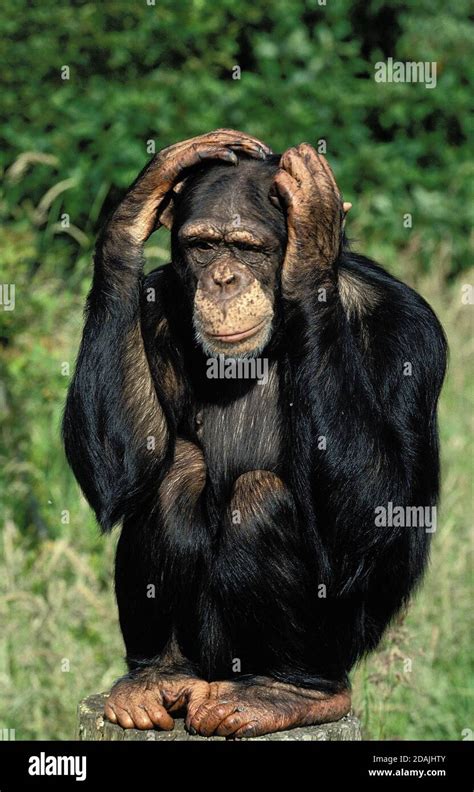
[248, 252]
[248, 247]
[201, 244]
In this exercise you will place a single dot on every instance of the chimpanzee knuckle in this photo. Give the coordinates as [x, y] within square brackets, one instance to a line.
[307, 150]
[249, 730]
[141, 718]
[230, 724]
[225, 153]
[171, 156]
[164, 153]
[298, 168]
[156, 714]
[191, 156]
[284, 159]
[287, 159]
[225, 137]
[124, 718]
[241, 138]
[225, 131]
[109, 712]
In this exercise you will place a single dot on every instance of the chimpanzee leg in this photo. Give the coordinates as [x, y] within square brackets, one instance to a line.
[271, 620]
[151, 581]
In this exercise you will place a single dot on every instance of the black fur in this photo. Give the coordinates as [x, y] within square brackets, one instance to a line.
[253, 592]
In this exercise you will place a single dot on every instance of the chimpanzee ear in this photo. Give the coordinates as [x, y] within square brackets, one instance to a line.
[166, 215]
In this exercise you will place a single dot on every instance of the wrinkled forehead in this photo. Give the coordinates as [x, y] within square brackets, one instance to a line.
[232, 194]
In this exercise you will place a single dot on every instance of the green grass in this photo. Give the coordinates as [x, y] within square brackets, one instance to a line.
[60, 639]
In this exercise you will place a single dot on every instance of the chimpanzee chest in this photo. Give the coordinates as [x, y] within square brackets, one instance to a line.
[244, 433]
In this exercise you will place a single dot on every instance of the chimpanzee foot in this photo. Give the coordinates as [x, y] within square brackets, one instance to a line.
[146, 701]
[233, 709]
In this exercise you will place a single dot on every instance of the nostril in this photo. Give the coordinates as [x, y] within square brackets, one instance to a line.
[225, 280]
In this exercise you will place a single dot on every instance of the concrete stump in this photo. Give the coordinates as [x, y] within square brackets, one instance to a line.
[93, 726]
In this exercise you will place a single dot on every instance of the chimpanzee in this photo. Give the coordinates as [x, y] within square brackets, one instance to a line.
[252, 570]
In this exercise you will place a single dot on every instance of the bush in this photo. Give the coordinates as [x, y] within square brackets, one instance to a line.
[163, 72]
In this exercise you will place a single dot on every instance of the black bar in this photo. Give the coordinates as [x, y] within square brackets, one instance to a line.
[142, 765]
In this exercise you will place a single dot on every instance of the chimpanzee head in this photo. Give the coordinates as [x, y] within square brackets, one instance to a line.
[228, 243]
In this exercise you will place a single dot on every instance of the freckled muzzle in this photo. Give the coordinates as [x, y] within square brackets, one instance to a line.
[238, 327]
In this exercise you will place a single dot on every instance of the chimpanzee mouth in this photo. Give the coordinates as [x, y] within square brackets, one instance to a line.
[229, 338]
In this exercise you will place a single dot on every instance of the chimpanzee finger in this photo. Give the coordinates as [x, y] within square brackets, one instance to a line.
[219, 138]
[196, 154]
[124, 719]
[252, 150]
[140, 717]
[249, 730]
[172, 171]
[293, 163]
[242, 137]
[237, 725]
[207, 720]
[159, 716]
[319, 168]
[285, 187]
[109, 712]
[196, 696]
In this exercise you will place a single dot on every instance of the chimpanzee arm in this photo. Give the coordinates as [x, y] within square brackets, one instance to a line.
[373, 360]
[367, 371]
[115, 431]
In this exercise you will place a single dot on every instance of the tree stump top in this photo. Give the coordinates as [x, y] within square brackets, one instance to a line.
[93, 726]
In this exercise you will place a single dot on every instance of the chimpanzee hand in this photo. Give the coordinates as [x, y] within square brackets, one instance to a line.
[306, 187]
[144, 206]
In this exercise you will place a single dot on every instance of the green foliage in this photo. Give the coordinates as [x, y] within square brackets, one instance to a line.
[162, 73]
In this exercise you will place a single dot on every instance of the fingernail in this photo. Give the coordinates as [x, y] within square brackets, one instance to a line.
[192, 730]
[231, 157]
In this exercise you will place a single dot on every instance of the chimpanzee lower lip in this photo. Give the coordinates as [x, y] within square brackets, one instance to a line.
[229, 337]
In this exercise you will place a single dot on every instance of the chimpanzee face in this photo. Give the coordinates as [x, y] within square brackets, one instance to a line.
[228, 246]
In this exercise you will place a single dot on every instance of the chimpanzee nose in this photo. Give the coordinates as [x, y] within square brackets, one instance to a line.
[226, 282]
[224, 279]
